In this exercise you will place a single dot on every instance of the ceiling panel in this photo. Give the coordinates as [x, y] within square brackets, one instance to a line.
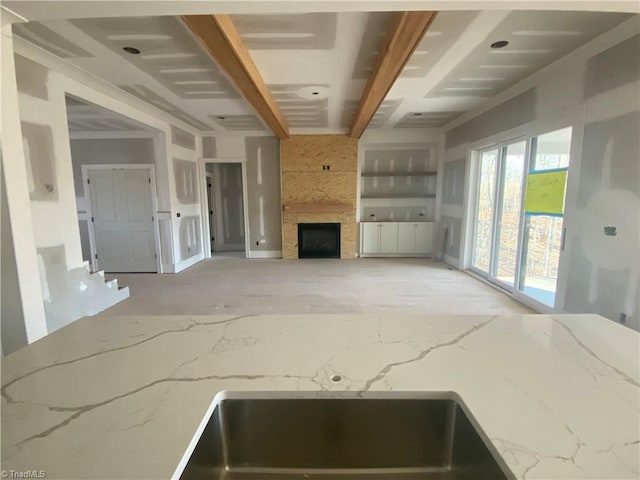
[287, 32]
[86, 117]
[375, 33]
[536, 39]
[300, 104]
[317, 64]
[426, 119]
[168, 52]
[148, 95]
[442, 33]
[46, 38]
[238, 122]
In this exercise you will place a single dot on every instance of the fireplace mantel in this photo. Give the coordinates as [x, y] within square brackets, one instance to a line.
[317, 207]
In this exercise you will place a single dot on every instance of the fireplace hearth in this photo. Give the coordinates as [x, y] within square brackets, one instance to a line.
[318, 240]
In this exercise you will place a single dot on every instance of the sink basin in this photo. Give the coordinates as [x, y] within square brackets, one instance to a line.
[392, 436]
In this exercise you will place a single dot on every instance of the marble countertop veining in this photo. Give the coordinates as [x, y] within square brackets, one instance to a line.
[121, 397]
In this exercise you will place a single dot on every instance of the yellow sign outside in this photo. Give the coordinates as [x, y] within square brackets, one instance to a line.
[545, 193]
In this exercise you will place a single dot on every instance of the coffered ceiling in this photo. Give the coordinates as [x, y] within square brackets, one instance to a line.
[316, 65]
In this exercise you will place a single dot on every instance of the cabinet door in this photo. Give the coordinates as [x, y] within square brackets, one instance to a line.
[407, 237]
[424, 237]
[388, 237]
[370, 237]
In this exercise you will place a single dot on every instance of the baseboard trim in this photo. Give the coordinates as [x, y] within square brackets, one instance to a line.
[395, 255]
[184, 264]
[454, 262]
[265, 254]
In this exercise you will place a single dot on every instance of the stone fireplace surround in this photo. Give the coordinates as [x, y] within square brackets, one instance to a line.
[319, 180]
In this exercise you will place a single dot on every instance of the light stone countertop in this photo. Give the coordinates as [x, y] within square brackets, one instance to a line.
[121, 397]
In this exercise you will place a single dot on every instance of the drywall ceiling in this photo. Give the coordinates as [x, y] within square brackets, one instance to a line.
[316, 64]
[42, 10]
[85, 117]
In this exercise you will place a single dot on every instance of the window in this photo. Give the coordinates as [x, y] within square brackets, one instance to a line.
[519, 214]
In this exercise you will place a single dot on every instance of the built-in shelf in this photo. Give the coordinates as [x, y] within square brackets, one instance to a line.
[399, 182]
[391, 196]
[405, 174]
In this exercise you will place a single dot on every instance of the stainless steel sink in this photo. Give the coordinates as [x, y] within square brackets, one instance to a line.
[398, 436]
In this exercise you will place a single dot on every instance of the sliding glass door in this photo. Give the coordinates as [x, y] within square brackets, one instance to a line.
[543, 234]
[507, 229]
[485, 210]
[519, 213]
[498, 212]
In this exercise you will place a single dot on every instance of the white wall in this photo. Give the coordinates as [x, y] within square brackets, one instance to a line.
[259, 151]
[595, 89]
[108, 151]
[13, 331]
[103, 151]
[17, 195]
[66, 79]
[47, 218]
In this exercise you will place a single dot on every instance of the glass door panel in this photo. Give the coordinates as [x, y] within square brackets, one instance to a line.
[512, 168]
[483, 239]
[542, 238]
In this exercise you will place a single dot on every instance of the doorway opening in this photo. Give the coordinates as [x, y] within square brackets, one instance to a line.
[519, 211]
[113, 160]
[226, 208]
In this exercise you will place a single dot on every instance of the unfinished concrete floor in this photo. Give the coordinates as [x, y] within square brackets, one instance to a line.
[371, 285]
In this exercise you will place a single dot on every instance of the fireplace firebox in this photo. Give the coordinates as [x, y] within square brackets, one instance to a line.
[318, 240]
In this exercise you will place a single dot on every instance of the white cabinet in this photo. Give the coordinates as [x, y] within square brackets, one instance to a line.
[389, 239]
[370, 237]
[407, 238]
[415, 238]
[424, 237]
[379, 238]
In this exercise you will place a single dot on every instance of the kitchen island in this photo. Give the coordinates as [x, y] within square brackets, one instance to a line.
[121, 397]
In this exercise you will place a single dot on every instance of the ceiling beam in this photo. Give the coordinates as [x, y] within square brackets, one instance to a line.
[219, 37]
[405, 33]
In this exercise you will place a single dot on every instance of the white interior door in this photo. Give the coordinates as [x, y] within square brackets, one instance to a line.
[122, 216]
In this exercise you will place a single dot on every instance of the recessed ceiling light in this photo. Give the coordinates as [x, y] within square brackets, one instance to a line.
[499, 44]
[131, 50]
